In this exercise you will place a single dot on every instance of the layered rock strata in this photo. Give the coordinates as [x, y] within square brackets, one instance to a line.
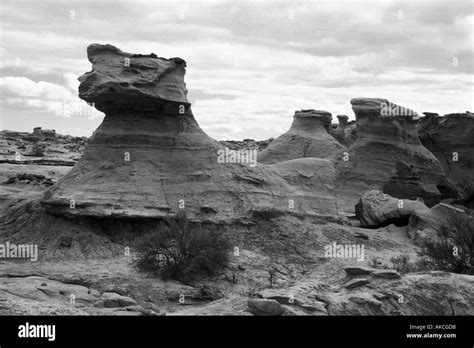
[388, 156]
[451, 139]
[308, 136]
[149, 157]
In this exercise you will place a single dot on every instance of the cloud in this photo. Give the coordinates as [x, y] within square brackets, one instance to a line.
[23, 87]
[251, 64]
[25, 94]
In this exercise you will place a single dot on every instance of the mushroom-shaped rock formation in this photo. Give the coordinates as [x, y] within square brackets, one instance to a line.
[388, 156]
[342, 120]
[122, 81]
[308, 136]
[345, 132]
[149, 157]
[451, 139]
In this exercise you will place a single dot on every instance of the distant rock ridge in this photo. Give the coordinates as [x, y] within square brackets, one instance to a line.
[388, 156]
[308, 136]
[149, 157]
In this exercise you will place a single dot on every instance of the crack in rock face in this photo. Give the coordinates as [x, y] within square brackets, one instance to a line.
[149, 157]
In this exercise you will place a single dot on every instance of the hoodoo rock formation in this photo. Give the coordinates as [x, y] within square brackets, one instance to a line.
[388, 156]
[308, 136]
[451, 139]
[345, 132]
[149, 157]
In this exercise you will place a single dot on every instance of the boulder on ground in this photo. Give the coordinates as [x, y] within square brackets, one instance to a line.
[377, 209]
[265, 307]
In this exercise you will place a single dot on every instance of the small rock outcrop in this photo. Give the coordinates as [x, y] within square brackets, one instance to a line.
[388, 156]
[265, 307]
[44, 133]
[308, 136]
[376, 209]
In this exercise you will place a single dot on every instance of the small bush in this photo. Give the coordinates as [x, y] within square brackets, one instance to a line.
[182, 250]
[454, 249]
[38, 150]
[402, 263]
[465, 192]
[424, 264]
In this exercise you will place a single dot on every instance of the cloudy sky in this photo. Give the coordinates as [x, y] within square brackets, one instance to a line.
[251, 64]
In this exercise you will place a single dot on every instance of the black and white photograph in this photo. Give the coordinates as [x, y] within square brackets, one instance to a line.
[244, 163]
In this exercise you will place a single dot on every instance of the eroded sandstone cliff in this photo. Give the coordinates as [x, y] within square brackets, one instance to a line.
[388, 156]
[149, 157]
[451, 139]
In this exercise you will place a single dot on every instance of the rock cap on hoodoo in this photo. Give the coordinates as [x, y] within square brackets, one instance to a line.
[306, 118]
[118, 75]
[342, 119]
[308, 136]
[380, 107]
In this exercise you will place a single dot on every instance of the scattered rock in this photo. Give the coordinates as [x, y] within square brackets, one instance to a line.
[358, 270]
[361, 235]
[297, 296]
[264, 307]
[387, 274]
[365, 299]
[356, 283]
[113, 300]
[28, 178]
[376, 209]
